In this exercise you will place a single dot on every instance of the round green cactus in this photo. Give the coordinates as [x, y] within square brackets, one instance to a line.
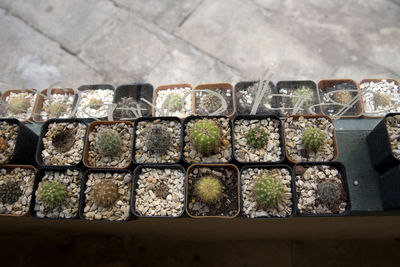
[173, 102]
[381, 99]
[18, 104]
[52, 193]
[268, 191]
[158, 139]
[313, 138]
[330, 193]
[56, 109]
[105, 193]
[109, 142]
[257, 137]
[305, 92]
[210, 102]
[342, 97]
[10, 192]
[209, 189]
[206, 136]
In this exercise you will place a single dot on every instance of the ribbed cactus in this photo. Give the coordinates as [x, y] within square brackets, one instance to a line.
[3, 144]
[105, 193]
[52, 193]
[381, 99]
[342, 97]
[307, 94]
[56, 109]
[158, 139]
[268, 191]
[209, 189]
[330, 193]
[95, 103]
[10, 192]
[18, 104]
[257, 137]
[210, 102]
[313, 138]
[206, 136]
[173, 102]
[109, 142]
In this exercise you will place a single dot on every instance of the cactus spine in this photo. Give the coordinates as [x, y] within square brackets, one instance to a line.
[109, 142]
[210, 102]
[257, 137]
[18, 104]
[52, 193]
[105, 193]
[313, 138]
[209, 189]
[342, 97]
[158, 139]
[268, 191]
[57, 109]
[330, 193]
[206, 136]
[10, 192]
[381, 99]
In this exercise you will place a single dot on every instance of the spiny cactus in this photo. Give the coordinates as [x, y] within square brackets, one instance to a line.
[206, 136]
[105, 193]
[257, 137]
[124, 107]
[109, 142]
[210, 102]
[52, 193]
[63, 140]
[330, 193]
[173, 102]
[95, 103]
[209, 189]
[158, 139]
[342, 97]
[56, 109]
[268, 191]
[381, 99]
[161, 190]
[10, 192]
[3, 144]
[313, 138]
[306, 93]
[18, 104]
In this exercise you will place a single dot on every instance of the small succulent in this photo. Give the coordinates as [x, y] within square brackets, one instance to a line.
[56, 109]
[381, 99]
[210, 102]
[306, 93]
[63, 140]
[124, 107]
[95, 103]
[18, 104]
[10, 192]
[109, 142]
[330, 193]
[105, 193]
[342, 97]
[268, 191]
[161, 190]
[173, 102]
[3, 144]
[257, 137]
[158, 139]
[52, 193]
[206, 136]
[209, 189]
[313, 138]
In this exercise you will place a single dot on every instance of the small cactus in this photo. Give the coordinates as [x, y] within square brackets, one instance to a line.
[52, 193]
[268, 191]
[313, 138]
[124, 108]
[257, 137]
[18, 104]
[161, 190]
[210, 102]
[330, 193]
[307, 94]
[10, 192]
[95, 103]
[56, 109]
[342, 97]
[381, 99]
[105, 193]
[109, 142]
[158, 139]
[209, 189]
[3, 144]
[173, 102]
[206, 136]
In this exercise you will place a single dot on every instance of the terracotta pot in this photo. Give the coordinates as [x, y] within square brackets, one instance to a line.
[8, 92]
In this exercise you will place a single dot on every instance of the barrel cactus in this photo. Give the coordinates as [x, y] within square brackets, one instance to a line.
[56, 109]
[158, 139]
[257, 137]
[268, 191]
[342, 97]
[381, 99]
[313, 138]
[206, 136]
[173, 102]
[330, 193]
[109, 142]
[10, 192]
[18, 104]
[209, 189]
[52, 193]
[105, 193]
[210, 102]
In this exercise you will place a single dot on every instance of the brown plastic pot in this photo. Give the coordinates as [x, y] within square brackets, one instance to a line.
[169, 86]
[326, 83]
[231, 166]
[38, 107]
[213, 86]
[295, 117]
[8, 92]
[87, 145]
[14, 166]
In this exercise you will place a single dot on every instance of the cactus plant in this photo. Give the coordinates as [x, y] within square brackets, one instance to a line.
[10, 192]
[330, 193]
[56, 109]
[18, 104]
[342, 97]
[305, 92]
[105, 193]
[206, 136]
[173, 102]
[52, 193]
[381, 99]
[124, 108]
[210, 102]
[161, 190]
[109, 142]
[95, 103]
[158, 139]
[268, 191]
[257, 137]
[3, 144]
[313, 138]
[209, 189]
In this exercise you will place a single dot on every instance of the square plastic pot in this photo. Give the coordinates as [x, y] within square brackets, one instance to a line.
[231, 109]
[389, 184]
[33, 91]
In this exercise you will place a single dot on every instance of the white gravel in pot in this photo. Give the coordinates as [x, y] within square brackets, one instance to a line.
[52, 156]
[295, 150]
[368, 91]
[246, 97]
[250, 208]
[393, 128]
[225, 150]
[160, 192]
[25, 179]
[117, 212]
[123, 158]
[246, 153]
[144, 155]
[25, 115]
[69, 207]
[67, 99]
[9, 131]
[84, 111]
[162, 96]
[306, 188]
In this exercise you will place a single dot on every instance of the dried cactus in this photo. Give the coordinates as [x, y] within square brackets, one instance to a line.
[342, 97]
[105, 193]
[63, 140]
[3, 144]
[257, 137]
[268, 191]
[313, 138]
[381, 99]
[56, 109]
[173, 102]
[10, 192]
[158, 139]
[330, 193]
[109, 142]
[206, 136]
[210, 102]
[209, 189]
[18, 104]
[52, 193]
[95, 103]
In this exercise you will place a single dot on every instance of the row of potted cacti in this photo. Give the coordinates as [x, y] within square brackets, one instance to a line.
[204, 190]
[344, 98]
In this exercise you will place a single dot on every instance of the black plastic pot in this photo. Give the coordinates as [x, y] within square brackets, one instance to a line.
[293, 188]
[38, 178]
[135, 91]
[151, 120]
[185, 121]
[342, 170]
[260, 117]
[136, 174]
[43, 132]
[25, 146]
[82, 198]
[389, 184]
[380, 150]
[241, 110]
